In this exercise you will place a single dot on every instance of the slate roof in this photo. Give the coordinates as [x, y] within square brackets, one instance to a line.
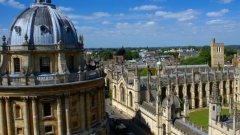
[148, 107]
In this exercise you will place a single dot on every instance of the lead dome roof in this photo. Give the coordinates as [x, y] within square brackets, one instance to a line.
[43, 24]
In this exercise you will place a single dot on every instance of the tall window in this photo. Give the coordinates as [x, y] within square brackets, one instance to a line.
[123, 94]
[115, 92]
[48, 129]
[16, 64]
[45, 64]
[70, 62]
[130, 97]
[93, 100]
[47, 109]
[17, 111]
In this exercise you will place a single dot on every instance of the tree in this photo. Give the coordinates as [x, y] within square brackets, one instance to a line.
[107, 54]
[128, 55]
[143, 72]
[110, 94]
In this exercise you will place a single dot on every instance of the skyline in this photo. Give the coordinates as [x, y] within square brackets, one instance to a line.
[152, 23]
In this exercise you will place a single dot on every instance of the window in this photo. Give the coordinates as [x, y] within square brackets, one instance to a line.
[115, 92]
[213, 108]
[93, 117]
[18, 112]
[70, 62]
[74, 106]
[44, 64]
[48, 129]
[16, 64]
[123, 94]
[75, 124]
[19, 131]
[130, 97]
[47, 109]
[93, 100]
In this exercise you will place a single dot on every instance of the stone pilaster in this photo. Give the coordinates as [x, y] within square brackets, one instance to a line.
[9, 115]
[59, 114]
[193, 95]
[82, 110]
[35, 116]
[67, 113]
[99, 104]
[88, 111]
[2, 127]
[200, 95]
[26, 116]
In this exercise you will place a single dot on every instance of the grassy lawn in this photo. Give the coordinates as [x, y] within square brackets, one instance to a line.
[200, 117]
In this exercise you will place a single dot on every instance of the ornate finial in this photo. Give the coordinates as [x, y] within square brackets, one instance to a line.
[4, 40]
[60, 39]
[31, 72]
[85, 68]
[57, 70]
[81, 39]
[26, 37]
[79, 69]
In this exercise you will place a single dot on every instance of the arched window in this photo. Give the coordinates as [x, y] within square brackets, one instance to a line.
[123, 95]
[16, 64]
[115, 92]
[93, 101]
[70, 63]
[130, 99]
[44, 64]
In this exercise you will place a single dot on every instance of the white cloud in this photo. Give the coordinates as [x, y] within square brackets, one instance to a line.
[121, 14]
[13, 4]
[95, 15]
[74, 22]
[226, 1]
[146, 7]
[189, 14]
[135, 25]
[186, 24]
[65, 8]
[218, 21]
[106, 22]
[217, 14]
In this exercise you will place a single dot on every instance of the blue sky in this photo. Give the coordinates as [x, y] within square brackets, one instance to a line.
[141, 23]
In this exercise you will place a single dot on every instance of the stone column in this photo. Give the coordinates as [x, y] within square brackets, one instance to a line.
[59, 115]
[82, 110]
[228, 90]
[193, 95]
[99, 104]
[35, 116]
[103, 101]
[2, 126]
[221, 92]
[67, 113]
[26, 116]
[200, 95]
[10, 129]
[88, 111]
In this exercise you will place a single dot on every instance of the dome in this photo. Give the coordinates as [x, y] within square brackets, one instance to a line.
[43, 24]
[173, 101]
[159, 63]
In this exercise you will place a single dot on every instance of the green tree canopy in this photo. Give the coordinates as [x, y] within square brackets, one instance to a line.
[107, 54]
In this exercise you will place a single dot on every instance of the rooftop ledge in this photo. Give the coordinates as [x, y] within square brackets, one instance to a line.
[13, 80]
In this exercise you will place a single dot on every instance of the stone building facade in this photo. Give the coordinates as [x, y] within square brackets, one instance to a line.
[155, 100]
[217, 54]
[46, 85]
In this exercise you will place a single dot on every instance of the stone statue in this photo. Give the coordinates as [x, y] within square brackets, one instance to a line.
[81, 39]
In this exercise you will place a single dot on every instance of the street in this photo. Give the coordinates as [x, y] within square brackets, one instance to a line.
[132, 126]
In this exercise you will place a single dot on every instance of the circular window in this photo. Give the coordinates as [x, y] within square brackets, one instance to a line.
[17, 29]
[67, 28]
[43, 28]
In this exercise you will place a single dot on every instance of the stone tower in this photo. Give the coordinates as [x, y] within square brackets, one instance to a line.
[215, 106]
[217, 54]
